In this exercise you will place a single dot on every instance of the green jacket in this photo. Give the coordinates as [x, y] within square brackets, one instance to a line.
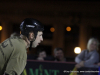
[13, 56]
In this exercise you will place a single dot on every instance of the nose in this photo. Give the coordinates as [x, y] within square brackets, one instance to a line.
[41, 38]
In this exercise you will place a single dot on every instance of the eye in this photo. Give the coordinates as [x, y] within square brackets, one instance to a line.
[41, 35]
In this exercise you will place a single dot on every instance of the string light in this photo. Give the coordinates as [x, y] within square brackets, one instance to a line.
[52, 29]
[0, 28]
[68, 28]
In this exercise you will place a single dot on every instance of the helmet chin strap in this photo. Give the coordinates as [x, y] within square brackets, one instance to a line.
[31, 42]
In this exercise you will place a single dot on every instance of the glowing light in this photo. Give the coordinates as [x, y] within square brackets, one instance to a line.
[68, 28]
[77, 50]
[0, 28]
[52, 29]
[20, 32]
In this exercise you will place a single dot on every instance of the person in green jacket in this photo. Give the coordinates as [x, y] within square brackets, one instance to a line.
[13, 51]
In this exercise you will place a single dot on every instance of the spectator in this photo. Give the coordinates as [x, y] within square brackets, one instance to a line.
[41, 54]
[59, 55]
[90, 56]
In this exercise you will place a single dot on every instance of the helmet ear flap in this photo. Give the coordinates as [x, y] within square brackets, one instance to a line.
[31, 42]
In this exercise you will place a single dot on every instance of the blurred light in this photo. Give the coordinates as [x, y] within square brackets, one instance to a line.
[68, 28]
[20, 32]
[0, 28]
[52, 29]
[77, 50]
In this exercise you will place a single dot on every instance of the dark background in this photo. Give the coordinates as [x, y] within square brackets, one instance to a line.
[83, 16]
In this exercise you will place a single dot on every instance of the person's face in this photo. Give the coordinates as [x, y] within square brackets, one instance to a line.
[42, 54]
[59, 54]
[93, 46]
[38, 39]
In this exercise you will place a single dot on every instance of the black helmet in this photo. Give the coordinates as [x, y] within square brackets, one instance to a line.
[30, 24]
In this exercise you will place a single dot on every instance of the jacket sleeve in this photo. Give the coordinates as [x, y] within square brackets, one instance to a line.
[92, 60]
[79, 57]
